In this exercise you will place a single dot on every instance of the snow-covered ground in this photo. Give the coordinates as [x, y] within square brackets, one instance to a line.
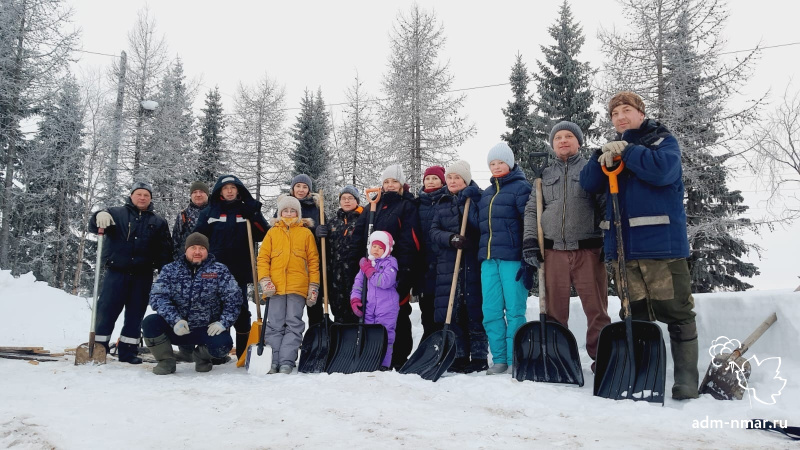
[119, 406]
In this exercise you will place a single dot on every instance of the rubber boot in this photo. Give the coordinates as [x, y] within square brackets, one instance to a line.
[184, 353]
[202, 359]
[684, 358]
[459, 365]
[241, 343]
[129, 353]
[476, 365]
[161, 348]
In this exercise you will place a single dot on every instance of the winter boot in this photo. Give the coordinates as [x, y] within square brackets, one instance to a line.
[459, 365]
[273, 369]
[285, 369]
[129, 353]
[161, 349]
[497, 369]
[683, 343]
[476, 365]
[219, 361]
[241, 343]
[184, 353]
[202, 359]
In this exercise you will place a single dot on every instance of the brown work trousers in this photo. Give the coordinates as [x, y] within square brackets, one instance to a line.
[584, 270]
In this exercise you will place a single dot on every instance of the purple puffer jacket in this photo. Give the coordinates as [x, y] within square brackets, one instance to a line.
[382, 297]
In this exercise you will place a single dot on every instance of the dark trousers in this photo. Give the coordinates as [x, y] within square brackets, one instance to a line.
[402, 341]
[315, 312]
[426, 308]
[242, 324]
[218, 346]
[130, 291]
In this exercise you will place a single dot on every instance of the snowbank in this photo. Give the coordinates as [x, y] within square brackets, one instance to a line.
[58, 405]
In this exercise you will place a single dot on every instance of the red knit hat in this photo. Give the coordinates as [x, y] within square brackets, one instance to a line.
[434, 170]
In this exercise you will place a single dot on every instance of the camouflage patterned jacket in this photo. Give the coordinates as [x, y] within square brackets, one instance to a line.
[199, 294]
[184, 224]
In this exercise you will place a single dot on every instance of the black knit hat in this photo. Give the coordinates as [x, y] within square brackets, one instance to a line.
[199, 185]
[196, 239]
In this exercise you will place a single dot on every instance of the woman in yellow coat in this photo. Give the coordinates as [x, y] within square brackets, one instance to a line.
[288, 272]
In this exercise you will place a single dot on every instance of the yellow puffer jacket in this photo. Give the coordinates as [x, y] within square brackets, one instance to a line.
[289, 256]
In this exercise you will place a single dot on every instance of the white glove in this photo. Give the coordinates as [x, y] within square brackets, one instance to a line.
[268, 288]
[181, 328]
[215, 329]
[615, 147]
[104, 219]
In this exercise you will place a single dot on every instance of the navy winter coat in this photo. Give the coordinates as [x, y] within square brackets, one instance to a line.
[426, 202]
[201, 295]
[502, 212]
[224, 223]
[396, 214]
[650, 195]
[138, 242]
[447, 222]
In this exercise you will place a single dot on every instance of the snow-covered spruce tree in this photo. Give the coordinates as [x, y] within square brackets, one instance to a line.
[211, 145]
[359, 152]
[311, 134]
[677, 69]
[168, 159]
[36, 39]
[518, 118]
[422, 121]
[562, 83]
[258, 152]
[51, 171]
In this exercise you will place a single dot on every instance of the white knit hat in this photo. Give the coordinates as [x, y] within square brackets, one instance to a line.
[502, 152]
[384, 238]
[289, 202]
[394, 171]
[462, 169]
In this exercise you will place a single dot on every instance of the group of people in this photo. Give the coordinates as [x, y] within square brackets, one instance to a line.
[205, 264]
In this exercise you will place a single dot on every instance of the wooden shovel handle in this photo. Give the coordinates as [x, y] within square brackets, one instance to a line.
[458, 264]
[753, 337]
[322, 249]
[253, 269]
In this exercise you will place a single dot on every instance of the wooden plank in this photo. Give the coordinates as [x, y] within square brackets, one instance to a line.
[7, 355]
[14, 349]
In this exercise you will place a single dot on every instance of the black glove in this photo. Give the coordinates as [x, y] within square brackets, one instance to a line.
[533, 257]
[526, 272]
[458, 241]
[321, 231]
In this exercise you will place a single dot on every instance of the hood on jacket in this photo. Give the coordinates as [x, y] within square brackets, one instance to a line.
[244, 194]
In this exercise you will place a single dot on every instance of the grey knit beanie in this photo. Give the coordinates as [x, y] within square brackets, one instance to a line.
[302, 178]
[460, 168]
[289, 202]
[196, 239]
[199, 186]
[569, 126]
[502, 152]
[394, 171]
[349, 190]
[142, 185]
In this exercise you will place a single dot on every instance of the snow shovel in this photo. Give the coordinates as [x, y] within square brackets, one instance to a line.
[316, 341]
[258, 358]
[722, 378]
[89, 352]
[359, 347]
[631, 356]
[545, 351]
[255, 330]
[436, 354]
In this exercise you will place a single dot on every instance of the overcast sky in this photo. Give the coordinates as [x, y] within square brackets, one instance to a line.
[325, 44]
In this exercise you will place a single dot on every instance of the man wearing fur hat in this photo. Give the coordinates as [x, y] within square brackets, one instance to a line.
[224, 222]
[288, 272]
[137, 241]
[573, 240]
[196, 300]
[653, 229]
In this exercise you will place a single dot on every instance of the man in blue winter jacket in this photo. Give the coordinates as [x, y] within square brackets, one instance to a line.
[196, 300]
[653, 229]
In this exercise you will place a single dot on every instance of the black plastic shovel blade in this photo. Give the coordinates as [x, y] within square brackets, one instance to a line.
[557, 361]
[620, 375]
[357, 347]
[314, 349]
[433, 356]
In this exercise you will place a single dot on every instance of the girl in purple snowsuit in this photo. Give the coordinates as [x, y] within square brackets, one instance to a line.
[382, 297]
